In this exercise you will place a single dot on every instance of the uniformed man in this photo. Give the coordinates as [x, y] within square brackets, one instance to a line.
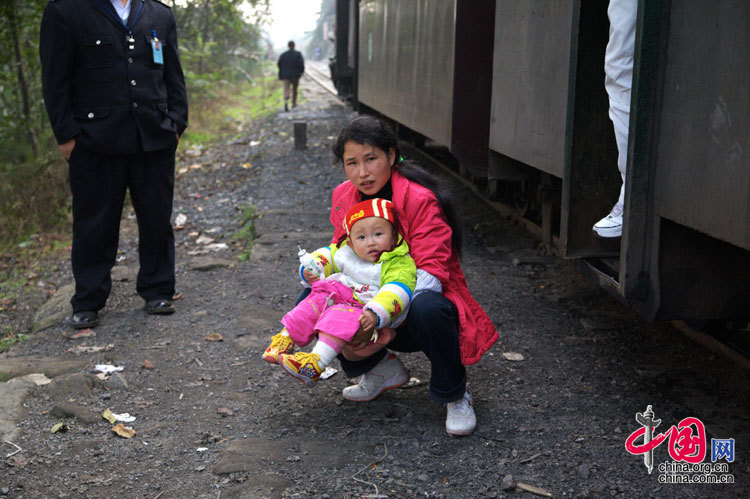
[115, 96]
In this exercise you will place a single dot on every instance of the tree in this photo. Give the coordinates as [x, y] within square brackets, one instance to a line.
[215, 34]
[20, 85]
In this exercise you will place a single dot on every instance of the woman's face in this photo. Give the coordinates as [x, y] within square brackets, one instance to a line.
[367, 167]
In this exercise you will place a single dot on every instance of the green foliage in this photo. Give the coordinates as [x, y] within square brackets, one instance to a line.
[245, 235]
[232, 105]
[218, 47]
[9, 338]
[34, 197]
[11, 285]
[258, 99]
[216, 42]
[20, 124]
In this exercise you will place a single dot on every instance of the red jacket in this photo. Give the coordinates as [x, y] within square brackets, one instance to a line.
[429, 238]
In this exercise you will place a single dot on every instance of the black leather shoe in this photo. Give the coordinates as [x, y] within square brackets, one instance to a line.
[159, 307]
[83, 320]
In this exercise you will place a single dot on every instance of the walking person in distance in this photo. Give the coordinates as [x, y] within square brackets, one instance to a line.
[291, 66]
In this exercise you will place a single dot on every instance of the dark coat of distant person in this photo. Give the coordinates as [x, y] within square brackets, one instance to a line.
[291, 65]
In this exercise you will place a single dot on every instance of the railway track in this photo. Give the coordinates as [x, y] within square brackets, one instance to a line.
[318, 72]
[503, 209]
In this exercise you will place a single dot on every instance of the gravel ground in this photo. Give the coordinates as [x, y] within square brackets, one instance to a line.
[213, 420]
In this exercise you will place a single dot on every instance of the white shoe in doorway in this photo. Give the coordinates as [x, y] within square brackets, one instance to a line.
[611, 225]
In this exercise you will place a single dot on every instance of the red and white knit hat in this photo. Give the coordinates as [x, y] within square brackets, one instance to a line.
[377, 207]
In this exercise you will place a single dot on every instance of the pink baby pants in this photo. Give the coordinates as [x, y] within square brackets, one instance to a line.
[330, 308]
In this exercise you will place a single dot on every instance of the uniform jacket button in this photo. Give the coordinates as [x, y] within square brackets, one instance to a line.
[90, 115]
[132, 82]
[98, 42]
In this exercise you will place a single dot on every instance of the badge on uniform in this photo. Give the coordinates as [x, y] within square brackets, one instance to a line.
[156, 47]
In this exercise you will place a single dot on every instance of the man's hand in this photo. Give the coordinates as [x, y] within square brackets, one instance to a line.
[66, 148]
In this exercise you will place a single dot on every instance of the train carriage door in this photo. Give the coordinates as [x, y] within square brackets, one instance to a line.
[591, 180]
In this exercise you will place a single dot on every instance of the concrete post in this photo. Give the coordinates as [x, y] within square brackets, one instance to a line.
[300, 135]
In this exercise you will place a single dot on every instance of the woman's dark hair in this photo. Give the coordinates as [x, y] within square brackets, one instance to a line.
[366, 129]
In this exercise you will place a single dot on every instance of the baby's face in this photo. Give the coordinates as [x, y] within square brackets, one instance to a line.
[370, 237]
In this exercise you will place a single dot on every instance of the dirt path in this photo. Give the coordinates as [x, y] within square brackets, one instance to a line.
[212, 420]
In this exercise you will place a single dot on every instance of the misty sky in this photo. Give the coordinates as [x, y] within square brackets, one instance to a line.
[291, 19]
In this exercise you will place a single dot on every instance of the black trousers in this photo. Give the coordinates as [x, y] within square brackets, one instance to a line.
[98, 183]
[431, 327]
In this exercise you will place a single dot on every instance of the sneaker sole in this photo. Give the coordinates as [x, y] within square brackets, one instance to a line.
[307, 381]
[608, 233]
[460, 433]
[271, 360]
[275, 359]
[389, 387]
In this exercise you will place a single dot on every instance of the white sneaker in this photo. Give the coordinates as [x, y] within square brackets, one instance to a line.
[611, 225]
[461, 419]
[388, 373]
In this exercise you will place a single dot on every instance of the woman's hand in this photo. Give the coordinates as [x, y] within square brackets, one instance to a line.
[309, 276]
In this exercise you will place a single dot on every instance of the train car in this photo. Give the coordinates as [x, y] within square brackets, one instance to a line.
[407, 71]
[515, 91]
[344, 62]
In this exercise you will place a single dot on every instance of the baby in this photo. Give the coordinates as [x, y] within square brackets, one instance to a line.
[366, 282]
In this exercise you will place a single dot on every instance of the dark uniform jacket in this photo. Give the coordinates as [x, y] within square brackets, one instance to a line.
[99, 91]
[291, 65]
